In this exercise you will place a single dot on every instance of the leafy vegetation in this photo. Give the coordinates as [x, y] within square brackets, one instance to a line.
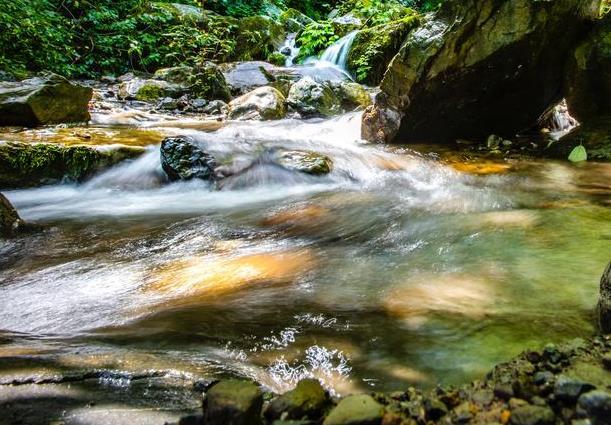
[315, 38]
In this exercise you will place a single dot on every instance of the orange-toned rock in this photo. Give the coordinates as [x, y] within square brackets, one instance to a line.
[481, 168]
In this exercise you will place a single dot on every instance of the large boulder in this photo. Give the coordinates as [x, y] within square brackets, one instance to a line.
[205, 81]
[373, 49]
[604, 302]
[308, 400]
[149, 90]
[480, 67]
[359, 409]
[10, 222]
[233, 402]
[183, 159]
[264, 103]
[310, 97]
[588, 78]
[35, 164]
[49, 99]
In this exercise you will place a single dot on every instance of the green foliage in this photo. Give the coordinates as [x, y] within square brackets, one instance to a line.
[34, 36]
[605, 7]
[578, 154]
[276, 58]
[315, 38]
[375, 12]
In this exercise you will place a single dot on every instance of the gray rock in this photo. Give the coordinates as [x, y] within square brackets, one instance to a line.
[604, 301]
[49, 99]
[183, 159]
[10, 222]
[597, 405]
[314, 98]
[216, 107]
[308, 162]
[264, 103]
[532, 415]
[233, 402]
[359, 409]
[307, 400]
[568, 389]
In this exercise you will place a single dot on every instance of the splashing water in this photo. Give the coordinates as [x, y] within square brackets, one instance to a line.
[337, 53]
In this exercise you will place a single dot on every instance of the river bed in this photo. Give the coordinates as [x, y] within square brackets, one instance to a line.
[404, 266]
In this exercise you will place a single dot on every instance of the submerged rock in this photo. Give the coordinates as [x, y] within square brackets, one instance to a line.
[49, 99]
[479, 67]
[183, 159]
[308, 162]
[307, 400]
[359, 409]
[34, 164]
[313, 98]
[264, 103]
[10, 222]
[233, 402]
[604, 301]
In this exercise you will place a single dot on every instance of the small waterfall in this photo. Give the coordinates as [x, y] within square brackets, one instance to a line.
[289, 49]
[337, 53]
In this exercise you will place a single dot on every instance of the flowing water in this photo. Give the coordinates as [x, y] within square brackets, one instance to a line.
[398, 268]
[335, 56]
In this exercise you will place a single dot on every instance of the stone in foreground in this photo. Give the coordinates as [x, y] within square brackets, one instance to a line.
[479, 67]
[183, 159]
[314, 98]
[49, 99]
[233, 402]
[10, 222]
[359, 409]
[308, 399]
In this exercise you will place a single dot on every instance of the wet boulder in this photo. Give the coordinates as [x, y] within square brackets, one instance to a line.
[310, 97]
[264, 103]
[35, 164]
[233, 402]
[183, 159]
[353, 95]
[604, 302]
[10, 222]
[308, 162]
[149, 90]
[49, 99]
[596, 405]
[532, 415]
[359, 409]
[308, 400]
[479, 67]
[293, 20]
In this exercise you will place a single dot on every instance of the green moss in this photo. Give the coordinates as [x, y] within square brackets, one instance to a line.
[374, 48]
[32, 164]
[149, 93]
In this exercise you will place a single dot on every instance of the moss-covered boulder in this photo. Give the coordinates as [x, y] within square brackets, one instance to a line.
[35, 164]
[373, 49]
[264, 103]
[205, 81]
[10, 222]
[359, 409]
[353, 95]
[308, 400]
[314, 98]
[256, 37]
[308, 162]
[293, 20]
[183, 159]
[149, 90]
[49, 99]
[588, 79]
[234, 402]
[594, 134]
[183, 13]
[460, 73]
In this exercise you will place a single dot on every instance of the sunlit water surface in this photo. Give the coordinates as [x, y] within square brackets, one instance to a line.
[398, 268]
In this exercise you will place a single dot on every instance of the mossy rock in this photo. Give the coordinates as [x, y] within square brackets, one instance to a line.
[293, 20]
[308, 162]
[233, 402]
[359, 409]
[263, 103]
[308, 400]
[354, 95]
[373, 49]
[256, 37]
[182, 13]
[205, 81]
[149, 90]
[314, 98]
[49, 99]
[35, 164]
